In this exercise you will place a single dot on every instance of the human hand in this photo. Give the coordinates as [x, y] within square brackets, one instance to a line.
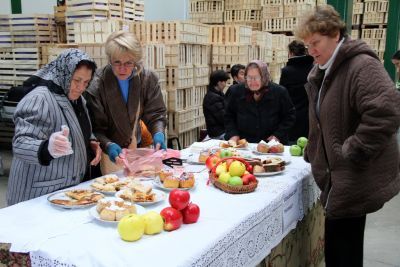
[95, 146]
[159, 141]
[273, 137]
[113, 151]
[235, 138]
[59, 145]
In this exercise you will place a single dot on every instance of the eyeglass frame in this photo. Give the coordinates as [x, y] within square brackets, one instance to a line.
[119, 64]
[255, 79]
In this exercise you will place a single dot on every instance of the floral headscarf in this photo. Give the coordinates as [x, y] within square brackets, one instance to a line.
[264, 73]
[60, 70]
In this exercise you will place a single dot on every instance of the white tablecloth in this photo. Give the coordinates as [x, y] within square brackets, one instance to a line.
[233, 230]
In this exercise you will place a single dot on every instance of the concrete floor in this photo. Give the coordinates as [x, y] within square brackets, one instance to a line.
[382, 234]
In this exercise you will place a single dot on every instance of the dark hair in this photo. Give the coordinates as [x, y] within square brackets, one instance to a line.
[218, 76]
[236, 68]
[396, 55]
[297, 48]
[88, 64]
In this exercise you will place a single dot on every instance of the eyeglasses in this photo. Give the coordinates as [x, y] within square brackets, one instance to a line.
[313, 44]
[128, 64]
[256, 79]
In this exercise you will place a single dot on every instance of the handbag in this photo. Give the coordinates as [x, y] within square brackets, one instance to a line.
[106, 165]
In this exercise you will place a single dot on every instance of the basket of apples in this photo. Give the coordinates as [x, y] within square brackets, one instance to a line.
[234, 176]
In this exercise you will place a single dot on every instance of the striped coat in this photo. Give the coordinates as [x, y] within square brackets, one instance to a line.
[38, 115]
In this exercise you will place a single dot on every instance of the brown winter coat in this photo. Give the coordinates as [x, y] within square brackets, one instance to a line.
[356, 130]
[113, 120]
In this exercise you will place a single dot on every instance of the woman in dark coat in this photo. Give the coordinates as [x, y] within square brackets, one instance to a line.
[293, 78]
[259, 109]
[214, 106]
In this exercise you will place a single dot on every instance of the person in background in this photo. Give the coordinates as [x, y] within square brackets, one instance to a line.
[53, 143]
[259, 109]
[123, 93]
[293, 77]
[214, 104]
[237, 73]
[396, 62]
[352, 147]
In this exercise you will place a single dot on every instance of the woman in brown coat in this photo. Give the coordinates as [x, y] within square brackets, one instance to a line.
[354, 116]
[123, 93]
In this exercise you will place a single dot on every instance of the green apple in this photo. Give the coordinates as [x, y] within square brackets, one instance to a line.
[154, 223]
[224, 177]
[235, 180]
[221, 168]
[237, 168]
[225, 153]
[131, 227]
[302, 142]
[295, 150]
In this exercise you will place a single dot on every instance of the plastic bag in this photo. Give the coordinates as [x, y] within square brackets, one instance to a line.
[145, 162]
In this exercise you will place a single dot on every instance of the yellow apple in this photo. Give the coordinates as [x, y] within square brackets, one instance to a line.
[154, 223]
[220, 169]
[131, 227]
[237, 168]
[224, 177]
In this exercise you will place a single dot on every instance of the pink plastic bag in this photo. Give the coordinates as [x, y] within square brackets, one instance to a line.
[145, 161]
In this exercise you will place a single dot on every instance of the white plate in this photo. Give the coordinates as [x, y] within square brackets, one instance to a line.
[158, 184]
[61, 195]
[160, 196]
[262, 174]
[267, 154]
[93, 212]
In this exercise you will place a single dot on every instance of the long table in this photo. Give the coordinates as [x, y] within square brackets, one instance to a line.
[233, 230]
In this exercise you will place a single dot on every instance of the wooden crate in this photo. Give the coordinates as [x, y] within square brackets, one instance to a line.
[162, 77]
[230, 54]
[71, 17]
[205, 6]
[208, 17]
[280, 24]
[280, 41]
[115, 9]
[230, 34]
[355, 34]
[95, 31]
[96, 52]
[179, 77]
[356, 19]
[279, 56]
[185, 120]
[296, 10]
[180, 99]
[18, 64]
[51, 52]
[358, 8]
[266, 54]
[254, 52]
[275, 71]
[201, 55]
[272, 11]
[248, 15]
[128, 9]
[262, 38]
[154, 56]
[373, 43]
[242, 4]
[374, 18]
[189, 137]
[164, 94]
[198, 95]
[289, 2]
[186, 32]
[179, 55]
[271, 2]
[201, 75]
[86, 5]
[139, 10]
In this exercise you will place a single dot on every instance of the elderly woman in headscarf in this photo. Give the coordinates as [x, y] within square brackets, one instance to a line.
[259, 109]
[53, 135]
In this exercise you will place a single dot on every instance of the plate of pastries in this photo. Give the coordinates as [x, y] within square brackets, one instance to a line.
[141, 194]
[75, 198]
[170, 179]
[272, 147]
[241, 144]
[109, 184]
[111, 210]
[268, 167]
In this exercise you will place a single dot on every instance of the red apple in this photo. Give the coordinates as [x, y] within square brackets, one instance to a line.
[179, 199]
[249, 168]
[191, 213]
[248, 177]
[245, 179]
[228, 163]
[211, 161]
[172, 218]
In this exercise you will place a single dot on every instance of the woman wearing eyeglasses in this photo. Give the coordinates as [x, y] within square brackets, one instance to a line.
[259, 109]
[354, 115]
[123, 93]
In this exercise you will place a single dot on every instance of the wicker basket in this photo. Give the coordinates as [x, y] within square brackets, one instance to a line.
[243, 189]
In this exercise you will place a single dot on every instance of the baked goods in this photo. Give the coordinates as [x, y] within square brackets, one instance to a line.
[262, 147]
[108, 183]
[242, 143]
[272, 164]
[203, 156]
[137, 192]
[171, 182]
[186, 180]
[272, 146]
[78, 197]
[114, 210]
[165, 172]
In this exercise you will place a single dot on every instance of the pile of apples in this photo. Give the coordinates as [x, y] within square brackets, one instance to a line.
[132, 227]
[298, 150]
[221, 154]
[234, 172]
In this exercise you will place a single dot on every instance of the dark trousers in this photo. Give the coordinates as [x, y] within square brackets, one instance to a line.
[344, 242]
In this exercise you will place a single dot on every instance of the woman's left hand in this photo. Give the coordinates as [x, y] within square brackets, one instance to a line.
[97, 150]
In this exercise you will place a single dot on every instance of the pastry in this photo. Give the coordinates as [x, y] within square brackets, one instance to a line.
[114, 210]
[203, 156]
[165, 172]
[186, 180]
[262, 147]
[171, 182]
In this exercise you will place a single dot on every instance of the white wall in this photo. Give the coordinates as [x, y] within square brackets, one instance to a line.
[38, 6]
[165, 9]
[5, 8]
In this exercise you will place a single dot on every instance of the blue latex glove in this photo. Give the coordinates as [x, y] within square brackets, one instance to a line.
[159, 138]
[113, 151]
